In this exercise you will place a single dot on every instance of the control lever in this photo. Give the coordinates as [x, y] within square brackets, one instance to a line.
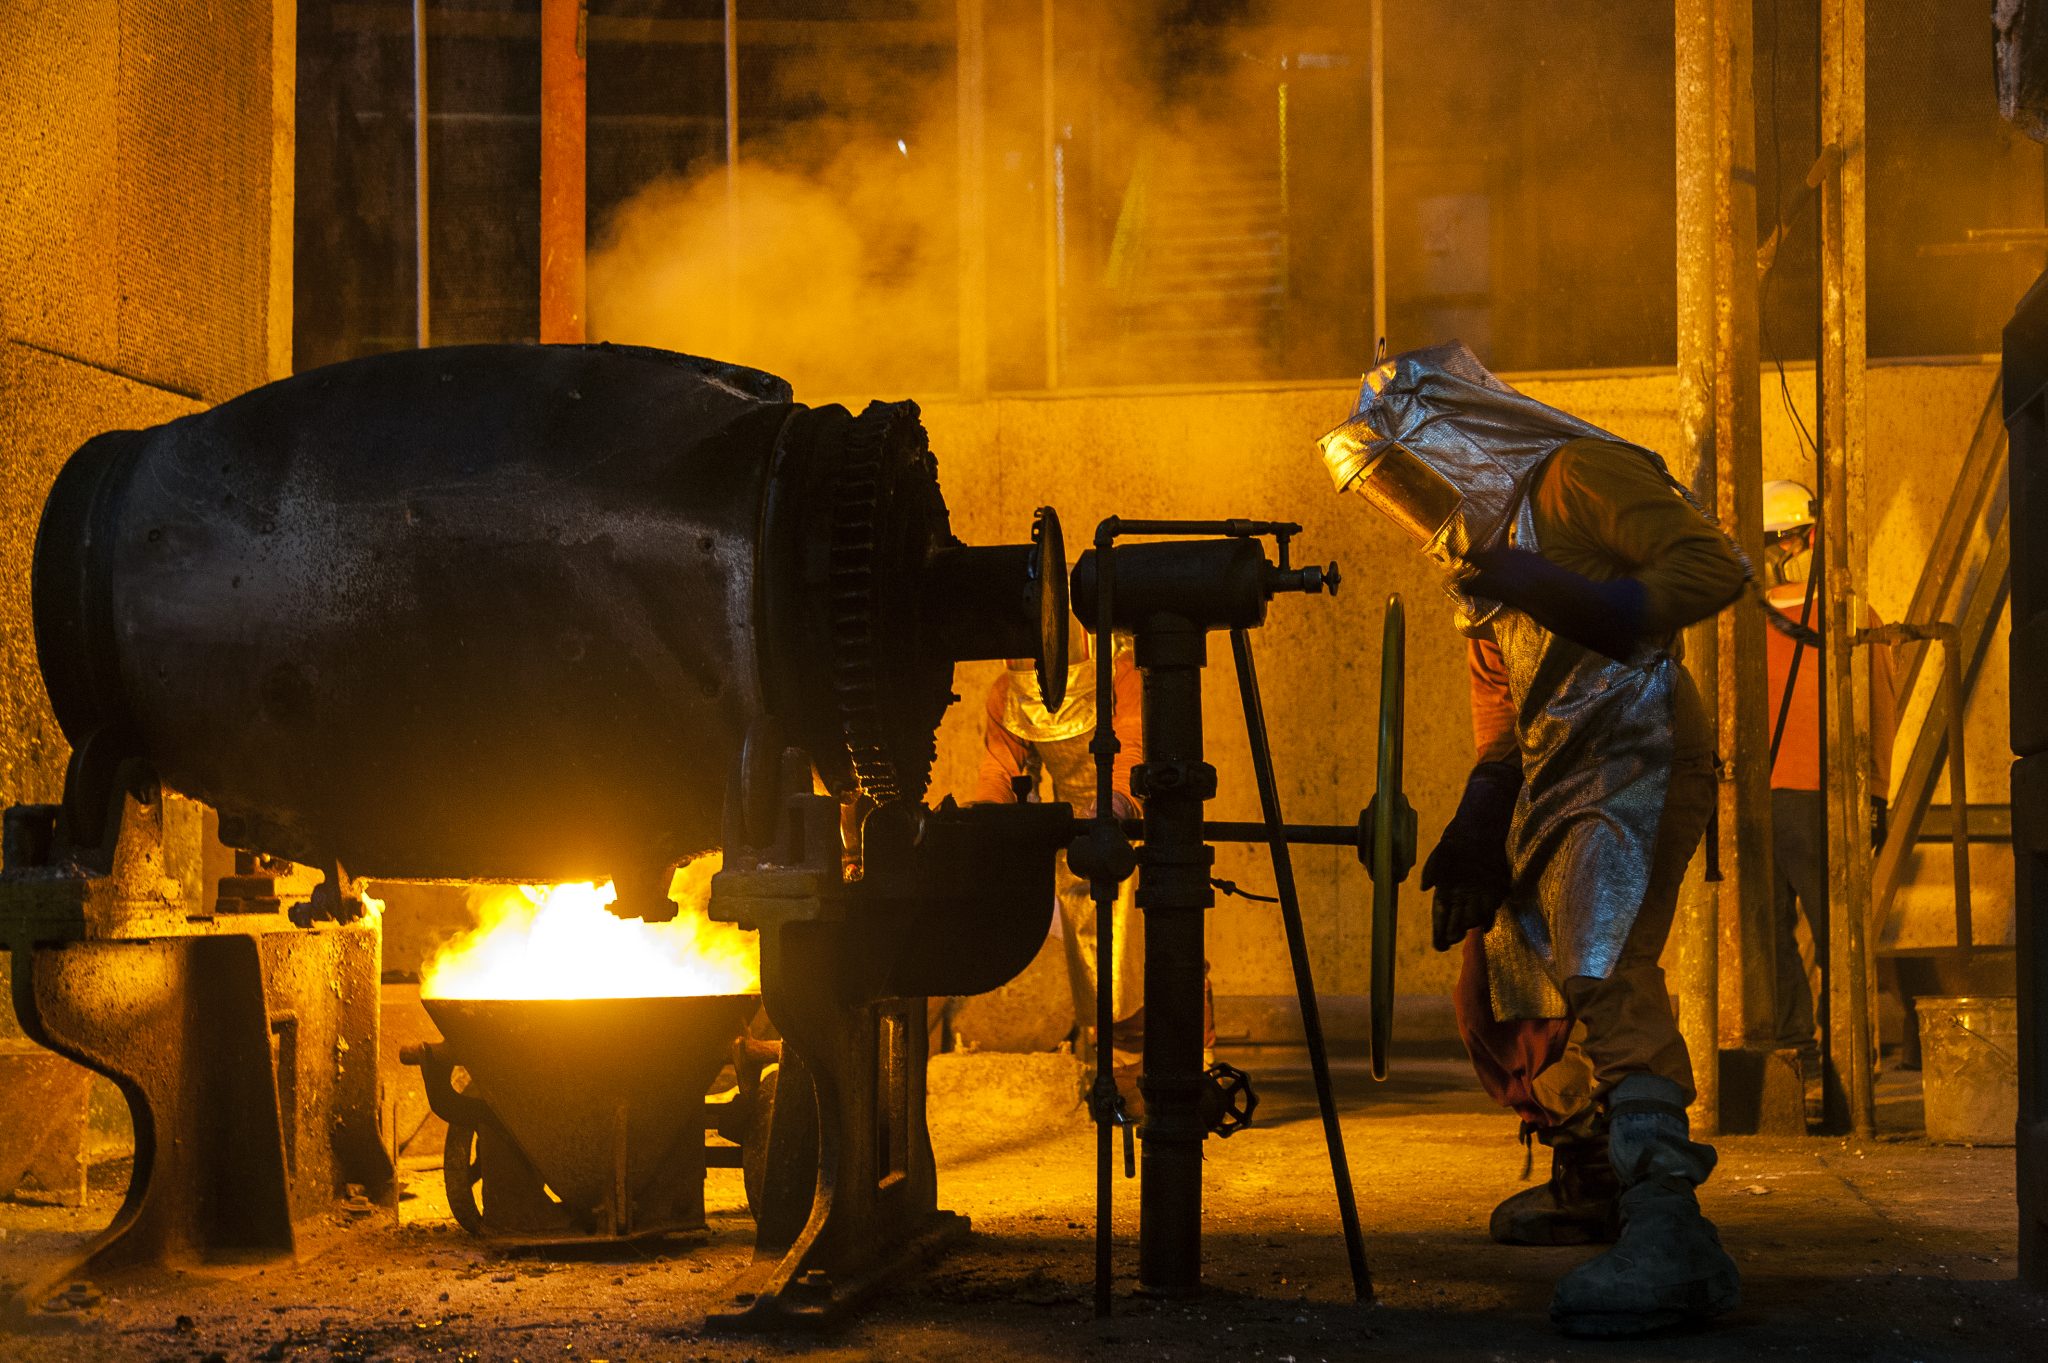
[1107, 1107]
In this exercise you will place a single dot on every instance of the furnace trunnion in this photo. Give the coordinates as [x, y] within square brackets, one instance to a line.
[513, 613]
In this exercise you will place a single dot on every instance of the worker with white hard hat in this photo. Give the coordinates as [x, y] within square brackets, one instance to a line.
[1798, 813]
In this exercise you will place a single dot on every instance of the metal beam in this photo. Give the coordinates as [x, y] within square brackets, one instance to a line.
[731, 38]
[563, 108]
[971, 143]
[422, 311]
[1720, 424]
[1048, 190]
[1849, 766]
[284, 86]
[1379, 179]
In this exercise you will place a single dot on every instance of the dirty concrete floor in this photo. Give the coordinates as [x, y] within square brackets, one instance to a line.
[1891, 1250]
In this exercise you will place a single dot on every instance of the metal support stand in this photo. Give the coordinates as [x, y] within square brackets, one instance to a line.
[245, 1044]
[1170, 597]
[1297, 951]
[947, 901]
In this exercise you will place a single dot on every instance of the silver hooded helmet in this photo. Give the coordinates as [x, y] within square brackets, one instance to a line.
[1446, 450]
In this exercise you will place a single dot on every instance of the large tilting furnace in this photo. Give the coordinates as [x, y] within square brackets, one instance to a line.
[541, 614]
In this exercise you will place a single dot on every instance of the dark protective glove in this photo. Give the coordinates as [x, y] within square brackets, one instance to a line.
[1469, 869]
[1881, 821]
[1603, 616]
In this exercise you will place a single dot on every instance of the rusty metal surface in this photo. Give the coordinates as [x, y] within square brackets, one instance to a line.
[248, 1064]
[2020, 58]
[1720, 439]
[564, 27]
[42, 1142]
[1841, 372]
[601, 1101]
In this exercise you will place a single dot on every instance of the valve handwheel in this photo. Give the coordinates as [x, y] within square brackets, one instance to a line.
[1231, 1100]
[1049, 583]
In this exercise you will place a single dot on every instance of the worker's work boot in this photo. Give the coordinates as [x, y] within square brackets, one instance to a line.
[1578, 1205]
[1667, 1270]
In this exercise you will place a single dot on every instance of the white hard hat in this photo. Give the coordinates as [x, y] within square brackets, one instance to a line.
[1787, 505]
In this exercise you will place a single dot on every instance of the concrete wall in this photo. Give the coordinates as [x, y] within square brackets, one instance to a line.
[1251, 453]
[145, 260]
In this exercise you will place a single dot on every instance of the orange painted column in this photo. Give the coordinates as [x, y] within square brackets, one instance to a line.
[563, 28]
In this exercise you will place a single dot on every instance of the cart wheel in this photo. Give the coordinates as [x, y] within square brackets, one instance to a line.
[462, 1174]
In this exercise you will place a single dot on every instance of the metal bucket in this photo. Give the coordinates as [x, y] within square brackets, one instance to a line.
[581, 1118]
[1970, 1069]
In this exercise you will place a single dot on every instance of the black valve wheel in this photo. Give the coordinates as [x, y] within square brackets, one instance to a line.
[1230, 1101]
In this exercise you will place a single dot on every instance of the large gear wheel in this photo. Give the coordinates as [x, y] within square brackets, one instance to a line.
[887, 515]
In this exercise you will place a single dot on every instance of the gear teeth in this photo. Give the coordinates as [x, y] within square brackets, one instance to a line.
[888, 708]
[853, 593]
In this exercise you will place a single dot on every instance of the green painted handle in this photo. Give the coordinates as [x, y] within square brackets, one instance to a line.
[1393, 832]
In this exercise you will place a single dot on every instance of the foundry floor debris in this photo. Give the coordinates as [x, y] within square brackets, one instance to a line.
[1894, 1250]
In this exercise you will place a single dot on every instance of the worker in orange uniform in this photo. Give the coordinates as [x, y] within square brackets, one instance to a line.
[1573, 559]
[1799, 821]
[1022, 739]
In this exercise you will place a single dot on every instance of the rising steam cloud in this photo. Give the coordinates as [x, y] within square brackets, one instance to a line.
[831, 256]
[840, 277]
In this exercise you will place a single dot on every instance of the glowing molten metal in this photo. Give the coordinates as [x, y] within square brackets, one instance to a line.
[560, 942]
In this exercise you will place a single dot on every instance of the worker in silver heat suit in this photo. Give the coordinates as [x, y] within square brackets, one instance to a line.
[1573, 559]
[1021, 739]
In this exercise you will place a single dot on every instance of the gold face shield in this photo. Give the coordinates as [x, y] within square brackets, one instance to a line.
[1405, 489]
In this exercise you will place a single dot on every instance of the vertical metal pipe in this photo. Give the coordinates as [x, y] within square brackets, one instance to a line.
[284, 134]
[971, 139]
[1049, 192]
[1697, 927]
[1720, 421]
[1744, 693]
[1841, 371]
[419, 171]
[563, 160]
[1379, 179]
[732, 170]
[1174, 892]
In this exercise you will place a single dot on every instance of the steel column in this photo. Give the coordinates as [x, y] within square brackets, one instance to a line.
[2025, 387]
[971, 142]
[1174, 892]
[1048, 193]
[732, 171]
[1720, 426]
[422, 310]
[563, 25]
[1379, 180]
[1841, 378]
